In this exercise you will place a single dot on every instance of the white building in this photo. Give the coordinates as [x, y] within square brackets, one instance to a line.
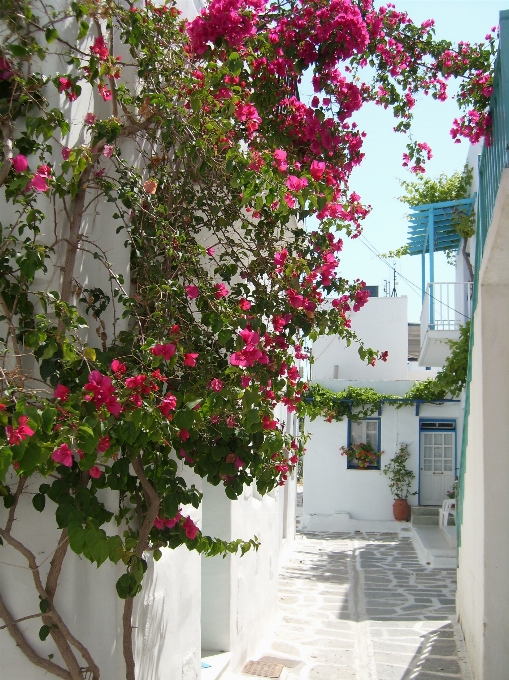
[483, 586]
[339, 497]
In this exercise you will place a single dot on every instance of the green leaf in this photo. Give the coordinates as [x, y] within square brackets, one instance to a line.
[39, 501]
[84, 26]
[44, 606]
[44, 631]
[48, 418]
[98, 545]
[115, 549]
[184, 419]
[77, 537]
[170, 505]
[157, 554]
[127, 586]
[51, 34]
[5, 461]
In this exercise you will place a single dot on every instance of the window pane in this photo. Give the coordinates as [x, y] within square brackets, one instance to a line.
[428, 452]
[357, 429]
[438, 438]
[372, 438]
[448, 439]
[371, 426]
[428, 465]
[428, 439]
[438, 452]
[437, 467]
[448, 465]
[447, 451]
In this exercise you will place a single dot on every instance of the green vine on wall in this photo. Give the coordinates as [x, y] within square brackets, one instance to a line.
[357, 403]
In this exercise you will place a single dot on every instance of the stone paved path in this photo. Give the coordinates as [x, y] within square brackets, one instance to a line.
[362, 607]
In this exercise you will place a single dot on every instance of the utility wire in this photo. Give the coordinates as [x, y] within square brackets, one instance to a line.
[372, 248]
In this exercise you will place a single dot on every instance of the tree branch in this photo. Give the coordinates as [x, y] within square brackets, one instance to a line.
[25, 646]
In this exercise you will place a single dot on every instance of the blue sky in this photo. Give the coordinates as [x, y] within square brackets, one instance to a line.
[376, 180]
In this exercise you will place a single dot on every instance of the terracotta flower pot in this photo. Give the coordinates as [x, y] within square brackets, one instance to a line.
[401, 509]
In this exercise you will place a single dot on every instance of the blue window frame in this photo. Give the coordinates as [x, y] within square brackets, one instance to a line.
[367, 430]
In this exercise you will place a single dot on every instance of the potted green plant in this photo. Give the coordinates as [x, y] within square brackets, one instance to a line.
[364, 454]
[400, 481]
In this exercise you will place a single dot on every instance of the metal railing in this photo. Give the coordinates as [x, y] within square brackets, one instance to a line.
[446, 307]
[495, 158]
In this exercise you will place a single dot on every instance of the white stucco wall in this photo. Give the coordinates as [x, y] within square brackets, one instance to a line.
[332, 489]
[239, 594]
[166, 616]
[483, 587]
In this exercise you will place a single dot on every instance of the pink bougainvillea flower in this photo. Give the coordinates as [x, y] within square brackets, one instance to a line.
[190, 528]
[184, 435]
[90, 118]
[220, 291]
[239, 463]
[280, 258]
[216, 385]
[290, 201]
[244, 304]
[210, 251]
[19, 163]
[245, 381]
[190, 359]
[280, 160]
[44, 171]
[170, 523]
[192, 292]
[136, 381]
[159, 522]
[61, 392]
[95, 472]
[295, 184]
[215, 419]
[118, 367]
[150, 186]
[39, 183]
[269, 423]
[104, 444]
[16, 435]
[66, 152]
[63, 455]
[166, 351]
[317, 169]
[105, 92]
[99, 49]
[108, 150]
[169, 403]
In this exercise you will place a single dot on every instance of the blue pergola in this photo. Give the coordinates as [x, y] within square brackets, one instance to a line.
[431, 229]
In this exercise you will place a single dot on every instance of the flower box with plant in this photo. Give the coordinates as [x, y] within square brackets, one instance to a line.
[364, 454]
[400, 482]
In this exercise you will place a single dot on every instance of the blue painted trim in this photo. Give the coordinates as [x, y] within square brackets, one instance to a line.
[455, 430]
[349, 441]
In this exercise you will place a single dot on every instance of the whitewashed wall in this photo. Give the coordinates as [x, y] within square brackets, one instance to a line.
[335, 495]
[483, 586]
[381, 324]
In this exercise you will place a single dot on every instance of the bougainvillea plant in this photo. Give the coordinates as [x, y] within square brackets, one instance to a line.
[188, 147]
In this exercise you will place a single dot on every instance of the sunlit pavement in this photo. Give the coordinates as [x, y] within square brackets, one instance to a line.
[361, 606]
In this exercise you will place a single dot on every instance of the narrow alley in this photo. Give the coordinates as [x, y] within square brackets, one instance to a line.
[361, 607]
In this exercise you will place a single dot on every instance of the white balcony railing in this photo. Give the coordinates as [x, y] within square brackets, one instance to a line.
[446, 307]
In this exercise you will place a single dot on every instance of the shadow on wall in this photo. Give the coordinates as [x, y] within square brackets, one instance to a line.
[151, 628]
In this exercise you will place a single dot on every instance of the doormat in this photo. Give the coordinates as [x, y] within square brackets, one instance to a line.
[263, 669]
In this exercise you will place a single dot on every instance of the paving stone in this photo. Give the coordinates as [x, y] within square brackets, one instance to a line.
[339, 619]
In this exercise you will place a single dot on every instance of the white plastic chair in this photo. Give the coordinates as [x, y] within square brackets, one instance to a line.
[448, 508]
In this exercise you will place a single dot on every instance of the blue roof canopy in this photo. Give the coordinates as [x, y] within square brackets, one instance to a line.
[432, 228]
